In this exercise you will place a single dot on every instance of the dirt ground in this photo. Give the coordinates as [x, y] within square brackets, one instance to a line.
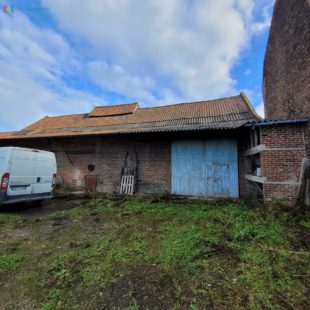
[29, 210]
[151, 253]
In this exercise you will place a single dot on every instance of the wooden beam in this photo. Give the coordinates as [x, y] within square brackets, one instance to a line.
[255, 150]
[304, 189]
[256, 179]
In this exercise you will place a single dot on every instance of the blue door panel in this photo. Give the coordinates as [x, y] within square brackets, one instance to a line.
[205, 168]
[187, 158]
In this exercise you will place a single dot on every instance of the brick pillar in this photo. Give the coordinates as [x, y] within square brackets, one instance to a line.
[281, 160]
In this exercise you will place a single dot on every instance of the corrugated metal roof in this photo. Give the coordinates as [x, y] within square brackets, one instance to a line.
[226, 113]
[275, 122]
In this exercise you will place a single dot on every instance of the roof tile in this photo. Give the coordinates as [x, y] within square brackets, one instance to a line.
[121, 109]
[226, 113]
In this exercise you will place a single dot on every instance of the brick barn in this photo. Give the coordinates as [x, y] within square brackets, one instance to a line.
[216, 148]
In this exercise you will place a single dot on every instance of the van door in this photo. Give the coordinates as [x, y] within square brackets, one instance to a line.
[21, 172]
[44, 168]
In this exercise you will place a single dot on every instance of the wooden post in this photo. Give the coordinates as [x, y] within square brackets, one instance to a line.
[304, 189]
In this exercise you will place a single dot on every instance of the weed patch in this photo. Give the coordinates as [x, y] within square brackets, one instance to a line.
[9, 262]
[179, 247]
[114, 252]
[9, 220]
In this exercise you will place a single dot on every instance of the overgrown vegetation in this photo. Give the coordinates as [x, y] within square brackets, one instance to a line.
[155, 253]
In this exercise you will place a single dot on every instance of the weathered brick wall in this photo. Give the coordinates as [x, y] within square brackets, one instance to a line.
[108, 155]
[281, 160]
[286, 84]
[153, 164]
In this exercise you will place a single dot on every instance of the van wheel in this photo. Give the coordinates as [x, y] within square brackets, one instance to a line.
[37, 203]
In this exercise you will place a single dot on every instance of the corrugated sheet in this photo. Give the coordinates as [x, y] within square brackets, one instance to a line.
[226, 113]
[165, 126]
[205, 168]
[276, 122]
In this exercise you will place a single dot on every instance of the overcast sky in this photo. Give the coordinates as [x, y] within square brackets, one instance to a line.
[66, 56]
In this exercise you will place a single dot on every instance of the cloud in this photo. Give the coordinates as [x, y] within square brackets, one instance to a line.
[264, 9]
[33, 62]
[114, 78]
[260, 109]
[154, 52]
[185, 47]
[21, 98]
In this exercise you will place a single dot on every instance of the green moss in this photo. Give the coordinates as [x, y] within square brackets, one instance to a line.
[305, 223]
[9, 262]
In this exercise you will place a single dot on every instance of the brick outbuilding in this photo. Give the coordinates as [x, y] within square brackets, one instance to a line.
[215, 148]
[277, 152]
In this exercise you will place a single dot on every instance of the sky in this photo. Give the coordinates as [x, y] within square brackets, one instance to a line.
[67, 56]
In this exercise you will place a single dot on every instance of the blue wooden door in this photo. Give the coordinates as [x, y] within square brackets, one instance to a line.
[205, 168]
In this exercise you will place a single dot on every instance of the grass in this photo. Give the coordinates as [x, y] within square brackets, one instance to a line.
[8, 262]
[155, 253]
[179, 247]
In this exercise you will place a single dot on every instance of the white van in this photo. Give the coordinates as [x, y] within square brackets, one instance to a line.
[26, 175]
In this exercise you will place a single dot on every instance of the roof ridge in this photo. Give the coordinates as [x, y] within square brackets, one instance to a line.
[54, 116]
[218, 109]
[189, 102]
[154, 107]
[115, 105]
[250, 106]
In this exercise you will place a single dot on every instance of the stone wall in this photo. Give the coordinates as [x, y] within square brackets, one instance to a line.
[286, 77]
